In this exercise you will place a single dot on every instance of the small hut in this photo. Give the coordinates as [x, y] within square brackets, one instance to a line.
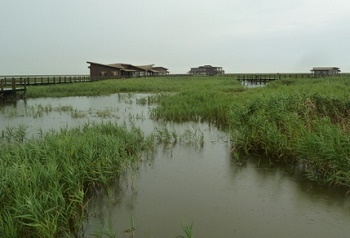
[206, 70]
[325, 71]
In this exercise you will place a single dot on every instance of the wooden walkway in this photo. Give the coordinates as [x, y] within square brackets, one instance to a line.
[14, 87]
[257, 79]
[9, 90]
[276, 76]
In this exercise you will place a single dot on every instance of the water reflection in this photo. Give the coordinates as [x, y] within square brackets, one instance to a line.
[253, 84]
[184, 184]
[221, 199]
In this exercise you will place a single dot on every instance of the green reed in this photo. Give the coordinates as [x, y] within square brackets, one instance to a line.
[166, 137]
[187, 230]
[300, 122]
[198, 106]
[151, 84]
[45, 181]
[288, 120]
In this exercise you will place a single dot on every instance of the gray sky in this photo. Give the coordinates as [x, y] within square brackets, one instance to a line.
[59, 36]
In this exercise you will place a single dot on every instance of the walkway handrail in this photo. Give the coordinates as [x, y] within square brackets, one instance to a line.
[25, 80]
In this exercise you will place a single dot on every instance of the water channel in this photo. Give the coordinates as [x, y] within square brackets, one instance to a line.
[190, 182]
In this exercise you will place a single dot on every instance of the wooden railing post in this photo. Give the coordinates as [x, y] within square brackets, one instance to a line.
[13, 84]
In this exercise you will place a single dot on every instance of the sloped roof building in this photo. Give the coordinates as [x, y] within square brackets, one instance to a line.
[325, 71]
[206, 70]
[122, 70]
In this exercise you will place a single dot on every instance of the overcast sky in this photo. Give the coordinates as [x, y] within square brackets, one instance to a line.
[59, 36]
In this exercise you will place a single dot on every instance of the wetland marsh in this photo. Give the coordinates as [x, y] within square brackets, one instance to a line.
[191, 169]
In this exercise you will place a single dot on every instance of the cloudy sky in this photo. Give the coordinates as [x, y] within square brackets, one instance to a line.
[59, 36]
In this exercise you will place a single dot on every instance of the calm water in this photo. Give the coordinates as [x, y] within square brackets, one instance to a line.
[187, 183]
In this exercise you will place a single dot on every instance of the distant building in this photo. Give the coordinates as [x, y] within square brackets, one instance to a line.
[154, 70]
[206, 70]
[160, 70]
[103, 71]
[325, 71]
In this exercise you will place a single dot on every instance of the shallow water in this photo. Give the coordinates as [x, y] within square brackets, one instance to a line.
[189, 184]
[221, 199]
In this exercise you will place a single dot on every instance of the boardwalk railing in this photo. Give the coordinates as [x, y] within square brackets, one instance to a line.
[44, 79]
[12, 87]
[263, 78]
[10, 90]
[244, 76]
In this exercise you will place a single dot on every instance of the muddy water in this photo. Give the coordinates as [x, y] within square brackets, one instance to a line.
[189, 184]
[221, 199]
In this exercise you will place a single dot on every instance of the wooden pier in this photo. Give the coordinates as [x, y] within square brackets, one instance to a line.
[14, 87]
[9, 90]
[257, 79]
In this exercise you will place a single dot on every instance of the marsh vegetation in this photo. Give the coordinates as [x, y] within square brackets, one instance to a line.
[46, 178]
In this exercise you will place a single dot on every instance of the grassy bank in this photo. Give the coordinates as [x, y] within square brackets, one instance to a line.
[300, 121]
[45, 181]
[155, 85]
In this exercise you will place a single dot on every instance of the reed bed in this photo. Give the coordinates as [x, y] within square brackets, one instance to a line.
[291, 120]
[298, 122]
[154, 85]
[45, 181]
[295, 121]
[210, 106]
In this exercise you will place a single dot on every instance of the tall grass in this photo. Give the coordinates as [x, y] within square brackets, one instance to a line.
[151, 84]
[291, 121]
[45, 181]
[302, 122]
[198, 106]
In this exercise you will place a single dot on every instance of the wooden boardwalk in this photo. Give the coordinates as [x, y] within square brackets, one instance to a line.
[275, 76]
[14, 87]
[258, 79]
[10, 90]
[264, 78]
